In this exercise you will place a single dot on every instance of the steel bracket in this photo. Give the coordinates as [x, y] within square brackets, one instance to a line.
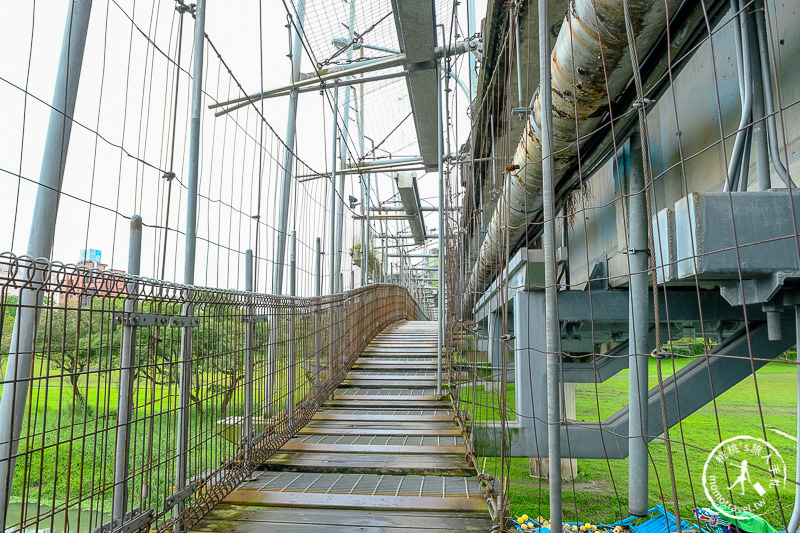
[132, 521]
[184, 321]
[173, 499]
[255, 439]
[152, 319]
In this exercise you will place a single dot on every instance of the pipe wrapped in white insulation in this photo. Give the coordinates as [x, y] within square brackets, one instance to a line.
[590, 61]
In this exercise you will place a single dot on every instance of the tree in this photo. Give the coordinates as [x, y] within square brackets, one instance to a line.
[76, 339]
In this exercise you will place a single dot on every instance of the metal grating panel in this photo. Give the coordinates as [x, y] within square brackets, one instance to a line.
[427, 486]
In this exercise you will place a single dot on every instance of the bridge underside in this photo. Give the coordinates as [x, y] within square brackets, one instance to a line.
[382, 454]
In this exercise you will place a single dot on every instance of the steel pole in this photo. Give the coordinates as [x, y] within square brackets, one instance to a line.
[40, 243]
[551, 295]
[288, 158]
[249, 363]
[291, 367]
[332, 258]
[318, 312]
[193, 179]
[638, 325]
[440, 336]
[364, 194]
[473, 76]
[126, 358]
[760, 143]
[343, 153]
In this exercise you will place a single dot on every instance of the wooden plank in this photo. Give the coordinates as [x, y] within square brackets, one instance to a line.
[385, 401]
[225, 517]
[393, 398]
[390, 377]
[369, 463]
[371, 448]
[380, 384]
[377, 354]
[355, 501]
[321, 415]
[291, 527]
[393, 364]
[379, 425]
[367, 431]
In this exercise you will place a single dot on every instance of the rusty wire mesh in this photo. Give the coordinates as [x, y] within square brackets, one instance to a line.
[64, 467]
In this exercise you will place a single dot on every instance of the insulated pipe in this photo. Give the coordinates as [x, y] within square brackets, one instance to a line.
[742, 35]
[769, 108]
[586, 59]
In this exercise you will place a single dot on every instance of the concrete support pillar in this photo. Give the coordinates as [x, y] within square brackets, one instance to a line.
[495, 345]
[530, 375]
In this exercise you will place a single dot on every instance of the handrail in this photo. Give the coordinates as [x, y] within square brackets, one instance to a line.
[63, 471]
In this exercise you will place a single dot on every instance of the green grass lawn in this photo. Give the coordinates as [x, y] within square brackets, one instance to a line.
[599, 493]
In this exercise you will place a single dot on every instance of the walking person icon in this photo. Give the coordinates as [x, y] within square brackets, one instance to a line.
[744, 473]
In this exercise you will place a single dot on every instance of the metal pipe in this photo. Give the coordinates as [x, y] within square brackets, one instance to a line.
[343, 154]
[291, 370]
[333, 73]
[384, 167]
[288, 156]
[548, 243]
[638, 325]
[126, 358]
[317, 320]
[185, 368]
[769, 107]
[332, 258]
[473, 76]
[249, 363]
[758, 133]
[519, 63]
[440, 336]
[364, 194]
[40, 242]
[587, 56]
[401, 209]
[743, 55]
[287, 90]
[794, 520]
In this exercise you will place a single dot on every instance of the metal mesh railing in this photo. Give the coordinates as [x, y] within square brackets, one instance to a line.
[143, 403]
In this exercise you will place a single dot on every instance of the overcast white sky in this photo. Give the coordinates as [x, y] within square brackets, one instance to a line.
[125, 94]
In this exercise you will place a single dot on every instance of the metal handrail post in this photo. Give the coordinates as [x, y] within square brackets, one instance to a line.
[126, 362]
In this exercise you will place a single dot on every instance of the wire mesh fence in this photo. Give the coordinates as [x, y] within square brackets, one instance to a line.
[118, 364]
[672, 260]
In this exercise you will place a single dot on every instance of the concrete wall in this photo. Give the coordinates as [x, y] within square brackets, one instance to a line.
[685, 127]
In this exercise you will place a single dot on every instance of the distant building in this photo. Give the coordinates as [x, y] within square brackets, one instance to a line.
[78, 286]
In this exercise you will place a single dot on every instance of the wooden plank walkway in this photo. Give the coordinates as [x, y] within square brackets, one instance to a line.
[383, 455]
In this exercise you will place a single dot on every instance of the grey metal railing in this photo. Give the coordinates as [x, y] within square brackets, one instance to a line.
[99, 447]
